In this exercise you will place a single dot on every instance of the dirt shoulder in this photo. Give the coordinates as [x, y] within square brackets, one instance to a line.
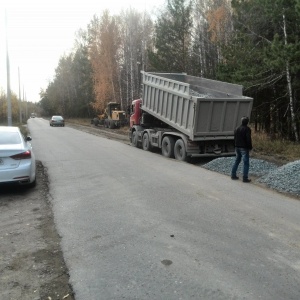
[31, 261]
[121, 134]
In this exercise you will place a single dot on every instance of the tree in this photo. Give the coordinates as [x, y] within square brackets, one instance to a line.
[136, 33]
[104, 44]
[220, 24]
[212, 26]
[172, 38]
[83, 81]
[14, 107]
[263, 55]
[285, 50]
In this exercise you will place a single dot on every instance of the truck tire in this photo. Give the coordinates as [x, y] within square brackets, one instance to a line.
[167, 146]
[179, 150]
[135, 139]
[146, 142]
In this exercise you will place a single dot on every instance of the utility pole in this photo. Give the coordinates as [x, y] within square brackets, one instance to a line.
[26, 103]
[20, 100]
[9, 118]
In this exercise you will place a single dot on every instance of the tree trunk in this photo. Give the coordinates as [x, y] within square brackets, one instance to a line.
[288, 78]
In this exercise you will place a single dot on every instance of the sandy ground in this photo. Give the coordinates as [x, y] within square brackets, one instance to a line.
[31, 261]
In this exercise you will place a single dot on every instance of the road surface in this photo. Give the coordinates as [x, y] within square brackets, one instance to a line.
[135, 225]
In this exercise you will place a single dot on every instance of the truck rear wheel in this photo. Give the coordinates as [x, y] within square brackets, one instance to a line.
[146, 142]
[179, 150]
[167, 146]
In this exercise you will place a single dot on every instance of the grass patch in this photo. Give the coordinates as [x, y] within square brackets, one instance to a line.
[282, 149]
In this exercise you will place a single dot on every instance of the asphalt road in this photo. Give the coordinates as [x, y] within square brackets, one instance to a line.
[135, 225]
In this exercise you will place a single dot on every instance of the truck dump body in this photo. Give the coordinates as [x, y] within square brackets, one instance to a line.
[200, 108]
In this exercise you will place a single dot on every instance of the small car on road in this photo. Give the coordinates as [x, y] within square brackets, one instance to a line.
[57, 121]
[17, 159]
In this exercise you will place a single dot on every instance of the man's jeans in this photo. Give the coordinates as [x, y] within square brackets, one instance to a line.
[241, 153]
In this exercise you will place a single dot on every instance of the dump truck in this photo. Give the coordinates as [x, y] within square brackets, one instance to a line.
[113, 116]
[187, 116]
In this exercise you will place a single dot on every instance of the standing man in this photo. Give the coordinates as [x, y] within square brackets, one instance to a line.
[243, 145]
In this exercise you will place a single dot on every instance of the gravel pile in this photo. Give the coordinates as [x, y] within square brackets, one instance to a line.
[258, 167]
[284, 179]
[196, 94]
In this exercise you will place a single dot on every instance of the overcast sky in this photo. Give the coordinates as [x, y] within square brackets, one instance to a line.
[40, 32]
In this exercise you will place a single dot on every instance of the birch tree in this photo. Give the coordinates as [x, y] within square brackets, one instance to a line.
[284, 54]
[219, 24]
[211, 21]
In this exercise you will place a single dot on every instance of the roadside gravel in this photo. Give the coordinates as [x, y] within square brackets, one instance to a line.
[285, 178]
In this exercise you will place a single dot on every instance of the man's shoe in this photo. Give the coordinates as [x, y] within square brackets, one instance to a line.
[246, 180]
[234, 177]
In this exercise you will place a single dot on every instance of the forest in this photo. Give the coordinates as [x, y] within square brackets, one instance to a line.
[255, 43]
[20, 110]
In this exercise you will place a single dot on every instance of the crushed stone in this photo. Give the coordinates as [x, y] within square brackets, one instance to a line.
[283, 179]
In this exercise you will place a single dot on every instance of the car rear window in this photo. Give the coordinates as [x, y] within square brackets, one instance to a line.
[9, 138]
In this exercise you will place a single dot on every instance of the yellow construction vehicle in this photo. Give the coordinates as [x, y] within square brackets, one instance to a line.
[113, 116]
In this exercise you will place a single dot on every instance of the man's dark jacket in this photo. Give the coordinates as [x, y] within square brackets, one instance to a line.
[242, 137]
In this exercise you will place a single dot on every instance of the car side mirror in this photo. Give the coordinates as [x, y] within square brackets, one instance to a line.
[28, 138]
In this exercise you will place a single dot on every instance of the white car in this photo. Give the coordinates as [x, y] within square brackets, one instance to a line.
[17, 160]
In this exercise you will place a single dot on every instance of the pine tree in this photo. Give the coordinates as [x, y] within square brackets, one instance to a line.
[172, 38]
[263, 56]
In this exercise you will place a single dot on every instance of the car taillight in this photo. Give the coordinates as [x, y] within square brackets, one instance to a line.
[23, 155]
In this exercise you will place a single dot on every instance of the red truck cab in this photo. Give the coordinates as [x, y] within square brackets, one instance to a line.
[136, 112]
